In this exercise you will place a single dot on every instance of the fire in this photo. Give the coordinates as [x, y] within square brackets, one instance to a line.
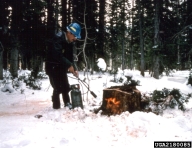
[113, 105]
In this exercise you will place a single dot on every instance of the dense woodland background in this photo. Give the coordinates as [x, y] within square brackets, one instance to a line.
[154, 35]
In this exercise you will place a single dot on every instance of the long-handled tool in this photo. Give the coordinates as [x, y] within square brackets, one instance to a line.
[76, 93]
[87, 86]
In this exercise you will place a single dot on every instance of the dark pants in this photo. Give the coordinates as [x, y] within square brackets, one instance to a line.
[59, 81]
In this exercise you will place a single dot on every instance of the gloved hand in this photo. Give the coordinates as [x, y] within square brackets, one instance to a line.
[75, 73]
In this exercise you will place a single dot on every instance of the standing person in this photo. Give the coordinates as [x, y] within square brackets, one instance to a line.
[60, 61]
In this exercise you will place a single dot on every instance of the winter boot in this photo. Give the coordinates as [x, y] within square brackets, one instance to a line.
[56, 102]
[69, 105]
[66, 100]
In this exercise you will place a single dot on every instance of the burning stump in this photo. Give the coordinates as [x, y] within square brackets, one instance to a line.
[118, 99]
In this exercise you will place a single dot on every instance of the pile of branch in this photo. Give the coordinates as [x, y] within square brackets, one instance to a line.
[159, 100]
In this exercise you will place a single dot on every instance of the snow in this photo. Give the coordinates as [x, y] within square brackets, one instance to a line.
[28, 120]
[101, 64]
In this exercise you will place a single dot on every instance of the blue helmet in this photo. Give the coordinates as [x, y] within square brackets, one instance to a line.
[75, 29]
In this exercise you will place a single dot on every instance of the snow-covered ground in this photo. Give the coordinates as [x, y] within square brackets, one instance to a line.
[27, 119]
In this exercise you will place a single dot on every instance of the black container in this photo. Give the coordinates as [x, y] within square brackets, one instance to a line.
[76, 97]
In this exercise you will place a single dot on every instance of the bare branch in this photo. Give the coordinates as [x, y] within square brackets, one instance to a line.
[180, 32]
[1, 48]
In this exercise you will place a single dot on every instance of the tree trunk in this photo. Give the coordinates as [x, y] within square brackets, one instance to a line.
[15, 28]
[3, 32]
[1, 63]
[131, 44]
[56, 16]
[41, 64]
[14, 62]
[123, 35]
[189, 22]
[50, 20]
[5, 61]
[156, 41]
[178, 57]
[101, 26]
[156, 67]
[64, 20]
[142, 66]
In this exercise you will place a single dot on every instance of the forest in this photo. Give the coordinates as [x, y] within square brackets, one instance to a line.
[153, 35]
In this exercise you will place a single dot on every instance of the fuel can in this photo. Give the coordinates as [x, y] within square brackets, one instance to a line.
[76, 97]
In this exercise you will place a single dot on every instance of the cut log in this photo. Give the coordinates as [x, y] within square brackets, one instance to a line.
[118, 99]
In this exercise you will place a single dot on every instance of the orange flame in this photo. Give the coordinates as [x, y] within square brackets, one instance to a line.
[113, 105]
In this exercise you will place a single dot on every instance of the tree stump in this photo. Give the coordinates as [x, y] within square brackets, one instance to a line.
[118, 99]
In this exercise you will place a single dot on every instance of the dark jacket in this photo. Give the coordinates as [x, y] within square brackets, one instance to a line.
[60, 54]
